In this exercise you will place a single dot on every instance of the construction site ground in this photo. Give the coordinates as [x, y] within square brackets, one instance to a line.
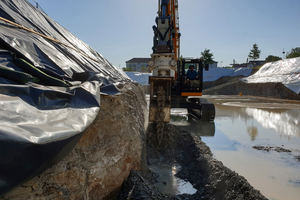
[186, 157]
[189, 159]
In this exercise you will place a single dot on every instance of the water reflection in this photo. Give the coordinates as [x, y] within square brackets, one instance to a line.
[170, 184]
[252, 131]
[276, 114]
[241, 123]
[204, 129]
[188, 123]
[285, 123]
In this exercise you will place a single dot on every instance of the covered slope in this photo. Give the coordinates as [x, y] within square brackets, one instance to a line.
[285, 71]
[50, 84]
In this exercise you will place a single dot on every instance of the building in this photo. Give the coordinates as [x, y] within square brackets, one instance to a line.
[250, 64]
[257, 63]
[213, 65]
[138, 64]
[243, 65]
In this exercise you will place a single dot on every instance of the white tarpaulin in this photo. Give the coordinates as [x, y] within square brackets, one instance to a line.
[212, 75]
[285, 71]
[141, 78]
[215, 73]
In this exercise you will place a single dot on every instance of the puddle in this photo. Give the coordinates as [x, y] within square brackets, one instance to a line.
[244, 122]
[168, 183]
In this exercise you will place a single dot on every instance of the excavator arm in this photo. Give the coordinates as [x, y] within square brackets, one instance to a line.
[168, 84]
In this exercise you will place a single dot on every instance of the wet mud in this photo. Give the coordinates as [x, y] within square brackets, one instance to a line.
[189, 160]
[270, 148]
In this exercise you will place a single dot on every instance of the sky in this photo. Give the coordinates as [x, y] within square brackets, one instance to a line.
[122, 29]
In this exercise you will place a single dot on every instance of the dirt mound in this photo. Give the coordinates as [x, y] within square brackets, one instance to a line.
[210, 178]
[102, 159]
[233, 86]
[221, 81]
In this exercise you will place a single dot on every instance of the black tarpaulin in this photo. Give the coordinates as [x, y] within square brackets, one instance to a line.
[50, 83]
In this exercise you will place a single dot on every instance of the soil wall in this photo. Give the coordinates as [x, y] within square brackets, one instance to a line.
[103, 158]
[233, 86]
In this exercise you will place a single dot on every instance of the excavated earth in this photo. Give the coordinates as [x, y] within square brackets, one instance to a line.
[114, 149]
[103, 158]
[234, 86]
[209, 177]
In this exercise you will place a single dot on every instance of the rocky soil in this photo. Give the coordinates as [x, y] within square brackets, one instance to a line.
[209, 177]
[104, 156]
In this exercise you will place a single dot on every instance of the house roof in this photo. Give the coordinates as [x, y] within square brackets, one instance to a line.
[257, 61]
[139, 60]
[145, 60]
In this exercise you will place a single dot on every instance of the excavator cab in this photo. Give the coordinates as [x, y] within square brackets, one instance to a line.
[191, 77]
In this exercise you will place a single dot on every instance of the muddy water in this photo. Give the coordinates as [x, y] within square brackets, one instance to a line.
[168, 183]
[243, 122]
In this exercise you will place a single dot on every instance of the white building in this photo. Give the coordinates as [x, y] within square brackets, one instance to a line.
[138, 64]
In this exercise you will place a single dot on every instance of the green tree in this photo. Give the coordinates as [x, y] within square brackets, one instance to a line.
[129, 69]
[295, 52]
[254, 52]
[144, 68]
[272, 58]
[181, 58]
[207, 57]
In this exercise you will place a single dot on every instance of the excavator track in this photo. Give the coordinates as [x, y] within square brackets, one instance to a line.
[207, 111]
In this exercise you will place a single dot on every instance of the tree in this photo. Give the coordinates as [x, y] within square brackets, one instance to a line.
[295, 52]
[144, 68]
[181, 58]
[272, 58]
[129, 69]
[254, 52]
[207, 57]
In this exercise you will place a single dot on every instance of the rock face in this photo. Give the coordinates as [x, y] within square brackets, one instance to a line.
[103, 158]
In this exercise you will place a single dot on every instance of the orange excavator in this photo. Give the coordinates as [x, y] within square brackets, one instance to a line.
[171, 85]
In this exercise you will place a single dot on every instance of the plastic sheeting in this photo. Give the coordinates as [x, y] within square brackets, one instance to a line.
[141, 78]
[285, 71]
[41, 121]
[212, 75]
[65, 58]
[39, 127]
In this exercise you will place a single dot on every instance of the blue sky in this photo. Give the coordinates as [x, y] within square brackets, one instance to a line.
[122, 29]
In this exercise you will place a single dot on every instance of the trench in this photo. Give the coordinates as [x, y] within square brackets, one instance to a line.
[259, 138]
[183, 167]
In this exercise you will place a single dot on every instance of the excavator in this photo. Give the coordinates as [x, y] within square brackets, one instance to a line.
[170, 86]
